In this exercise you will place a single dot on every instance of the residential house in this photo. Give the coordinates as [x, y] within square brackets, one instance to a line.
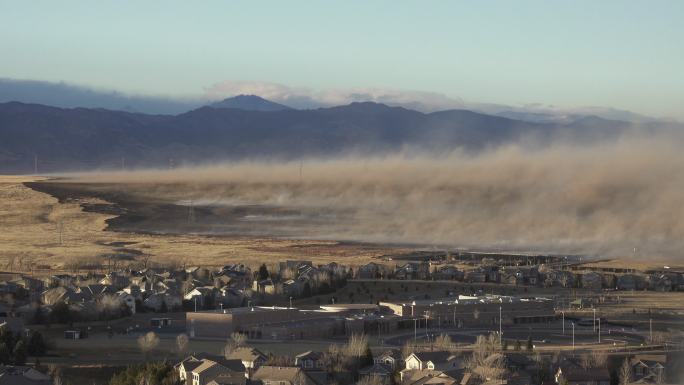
[439, 360]
[660, 282]
[475, 276]
[159, 301]
[650, 367]
[381, 372]
[230, 297]
[562, 278]
[448, 272]
[22, 375]
[310, 360]
[370, 270]
[127, 299]
[201, 295]
[294, 287]
[251, 358]
[203, 369]
[282, 375]
[265, 286]
[582, 376]
[592, 281]
[390, 358]
[436, 377]
[412, 270]
[631, 282]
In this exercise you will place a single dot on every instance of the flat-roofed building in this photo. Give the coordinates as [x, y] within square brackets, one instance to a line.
[469, 310]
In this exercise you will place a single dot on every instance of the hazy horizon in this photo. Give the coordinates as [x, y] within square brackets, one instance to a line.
[610, 54]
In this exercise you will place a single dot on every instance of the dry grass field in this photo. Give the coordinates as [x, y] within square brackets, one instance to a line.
[38, 232]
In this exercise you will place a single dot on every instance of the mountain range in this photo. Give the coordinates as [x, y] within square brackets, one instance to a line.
[247, 126]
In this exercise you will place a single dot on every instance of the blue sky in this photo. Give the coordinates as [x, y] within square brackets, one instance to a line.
[624, 54]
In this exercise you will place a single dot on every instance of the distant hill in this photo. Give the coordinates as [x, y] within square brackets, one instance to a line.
[82, 138]
[249, 103]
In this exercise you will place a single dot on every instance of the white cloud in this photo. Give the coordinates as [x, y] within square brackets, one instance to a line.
[300, 97]
[425, 101]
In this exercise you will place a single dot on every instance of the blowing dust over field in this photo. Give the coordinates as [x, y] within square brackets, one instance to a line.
[601, 200]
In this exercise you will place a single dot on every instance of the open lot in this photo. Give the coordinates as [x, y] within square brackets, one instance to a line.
[41, 233]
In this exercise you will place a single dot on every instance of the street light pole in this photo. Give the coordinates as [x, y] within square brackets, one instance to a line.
[594, 324]
[426, 322]
[573, 336]
[650, 329]
[563, 314]
[415, 330]
[599, 330]
[290, 302]
[500, 321]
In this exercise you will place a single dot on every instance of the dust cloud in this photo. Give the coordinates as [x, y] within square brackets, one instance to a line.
[620, 199]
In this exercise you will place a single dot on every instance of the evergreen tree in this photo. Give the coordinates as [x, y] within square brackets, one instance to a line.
[36, 344]
[263, 272]
[306, 292]
[4, 354]
[19, 353]
[367, 358]
[530, 345]
[39, 316]
[7, 338]
[61, 313]
[518, 345]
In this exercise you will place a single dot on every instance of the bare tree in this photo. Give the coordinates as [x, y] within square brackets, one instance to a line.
[334, 359]
[625, 372]
[443, 342]
[408, 348]
[357, 345]
[599, 358]
[182, 342]
[485, 360]
[148, 342]
[239, 339]
[228, 348]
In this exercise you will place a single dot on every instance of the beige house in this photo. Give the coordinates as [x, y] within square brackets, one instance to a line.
[282, 375]
[203, 369]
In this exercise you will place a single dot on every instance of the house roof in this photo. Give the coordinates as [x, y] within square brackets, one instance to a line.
[234, 365]
[309, 355]
[292, 374]
[435, 357]
[376, 369]
[246, 354]
[581, 374]
[393, 353]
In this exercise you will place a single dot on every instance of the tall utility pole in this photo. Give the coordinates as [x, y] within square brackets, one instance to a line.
[599, 330]
[415, 329]
[594, 323]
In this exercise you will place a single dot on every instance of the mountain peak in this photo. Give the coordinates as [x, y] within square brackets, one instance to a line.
[250, 103]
